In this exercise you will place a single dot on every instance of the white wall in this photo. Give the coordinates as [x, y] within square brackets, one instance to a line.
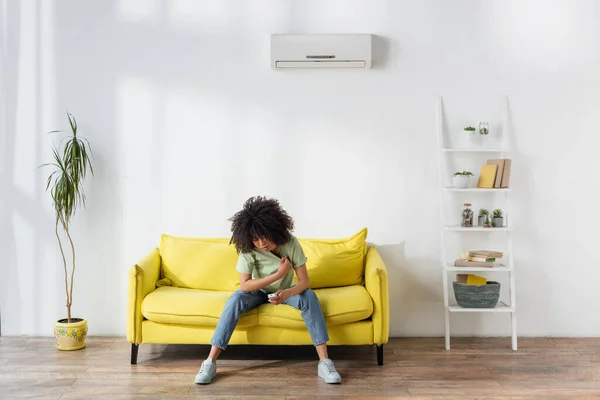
[187, 120]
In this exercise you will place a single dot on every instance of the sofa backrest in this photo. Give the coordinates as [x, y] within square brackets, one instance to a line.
[199, 263]
[209, 263]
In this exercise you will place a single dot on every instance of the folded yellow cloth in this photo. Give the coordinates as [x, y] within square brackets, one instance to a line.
[476, 280]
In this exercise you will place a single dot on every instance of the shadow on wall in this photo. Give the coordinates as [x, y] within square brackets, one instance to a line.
[26, 228]
[411, 297]
[98, 228]
[527, 230]
[9, 78]
[151, 100]
[22, 212]
[380, 51]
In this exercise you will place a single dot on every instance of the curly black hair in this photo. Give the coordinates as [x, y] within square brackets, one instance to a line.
[261, 217]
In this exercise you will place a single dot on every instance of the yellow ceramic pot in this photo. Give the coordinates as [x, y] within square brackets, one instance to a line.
[70, 336]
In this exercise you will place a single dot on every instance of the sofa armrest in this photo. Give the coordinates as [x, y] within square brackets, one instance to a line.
[142, 280]
[376, 283]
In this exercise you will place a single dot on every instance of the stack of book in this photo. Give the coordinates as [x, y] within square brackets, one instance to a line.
[480, 258]
[495, 174]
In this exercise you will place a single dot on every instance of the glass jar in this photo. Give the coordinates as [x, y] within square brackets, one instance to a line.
[484, 128]
[467, 216]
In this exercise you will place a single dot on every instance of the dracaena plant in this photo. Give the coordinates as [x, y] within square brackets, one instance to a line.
[71, 165]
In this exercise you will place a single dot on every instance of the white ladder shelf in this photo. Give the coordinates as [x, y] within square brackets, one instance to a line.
[446, 151]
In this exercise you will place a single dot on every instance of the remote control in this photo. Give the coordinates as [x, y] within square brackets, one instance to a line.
[271, 295]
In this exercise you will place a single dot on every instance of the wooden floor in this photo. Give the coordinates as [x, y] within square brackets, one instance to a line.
[416, 368]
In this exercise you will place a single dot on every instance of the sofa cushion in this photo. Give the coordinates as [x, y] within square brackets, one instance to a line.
[199, 263]
[335, 262]
[339, 305]
[173, 305]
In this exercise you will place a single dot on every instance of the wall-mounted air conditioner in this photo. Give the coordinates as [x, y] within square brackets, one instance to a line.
[321, 51]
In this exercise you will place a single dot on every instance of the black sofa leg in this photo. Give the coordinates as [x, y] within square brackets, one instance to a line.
[380, 355]
[134, 353]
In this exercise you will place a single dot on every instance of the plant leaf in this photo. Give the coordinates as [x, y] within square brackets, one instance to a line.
[71, 165]
[73, 124]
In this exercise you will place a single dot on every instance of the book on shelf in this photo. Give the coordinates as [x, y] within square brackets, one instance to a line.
[482, 259]
[499, 172]
[486, 253]
[502, 176]
[476, 264]
[487, 176]
[506, 174]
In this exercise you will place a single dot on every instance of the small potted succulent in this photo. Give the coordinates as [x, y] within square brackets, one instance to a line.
[470, 131]
[483, 214]
[498, 219]
[487, 223]
[462, 180]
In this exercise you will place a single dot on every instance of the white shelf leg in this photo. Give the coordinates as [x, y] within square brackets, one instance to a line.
[440, 135]
[446, 311]
[447, 329]
[513, 296]
[513, 317]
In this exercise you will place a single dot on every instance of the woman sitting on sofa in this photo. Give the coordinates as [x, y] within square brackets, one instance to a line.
[268, 257]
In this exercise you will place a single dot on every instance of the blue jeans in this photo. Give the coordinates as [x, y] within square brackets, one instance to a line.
[240, 302]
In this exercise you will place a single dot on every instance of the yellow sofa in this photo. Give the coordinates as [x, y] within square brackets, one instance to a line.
[177, 293]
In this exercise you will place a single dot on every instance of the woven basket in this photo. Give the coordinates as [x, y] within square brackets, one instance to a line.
[477, 296]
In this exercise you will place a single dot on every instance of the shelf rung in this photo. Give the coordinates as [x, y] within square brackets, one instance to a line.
[458, 228]
[475, 150]
[452, 268]
[500, 307]
[476, 190]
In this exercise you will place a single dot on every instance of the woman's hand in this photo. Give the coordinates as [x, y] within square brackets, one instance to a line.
[284, 267]
[281, 296]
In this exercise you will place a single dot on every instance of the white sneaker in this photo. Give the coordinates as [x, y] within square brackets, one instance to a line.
[327, 371]
[208, 370]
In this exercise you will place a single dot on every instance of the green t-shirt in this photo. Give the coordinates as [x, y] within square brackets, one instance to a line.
[262, 264]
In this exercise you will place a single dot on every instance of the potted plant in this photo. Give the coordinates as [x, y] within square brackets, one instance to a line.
[462, 179]
[65, 183]
[484, 128]
[487, 223]
[498, 220]
[470, 131]
[483, 214]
